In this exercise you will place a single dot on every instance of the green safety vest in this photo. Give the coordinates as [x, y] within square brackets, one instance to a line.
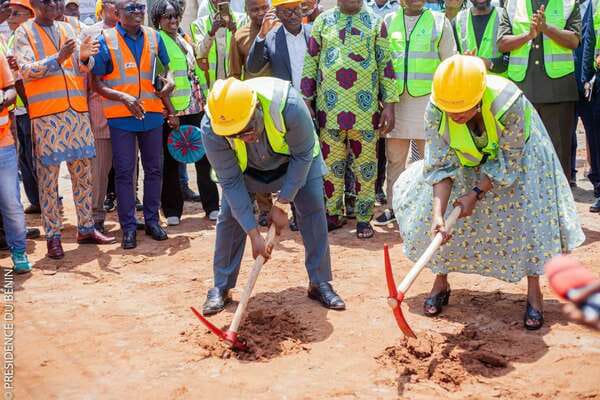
[500, 94]
[272, 95]
[596, 10]
[416, 57]
[466, 34]
[558, 60]
[201, 28]
[178, 65]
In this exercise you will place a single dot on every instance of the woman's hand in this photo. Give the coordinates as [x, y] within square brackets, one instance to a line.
[466, 203]
[173, 121]
[438, 225]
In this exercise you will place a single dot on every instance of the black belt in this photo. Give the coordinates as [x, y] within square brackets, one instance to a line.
[269, 175]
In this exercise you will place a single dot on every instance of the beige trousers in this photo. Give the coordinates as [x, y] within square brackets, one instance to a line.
[397, 152]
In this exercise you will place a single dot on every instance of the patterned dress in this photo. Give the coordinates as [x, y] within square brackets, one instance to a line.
[348, 70]
[528, 217]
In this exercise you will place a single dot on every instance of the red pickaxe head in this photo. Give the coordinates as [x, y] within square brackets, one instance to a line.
[395, 298]
[229, 337]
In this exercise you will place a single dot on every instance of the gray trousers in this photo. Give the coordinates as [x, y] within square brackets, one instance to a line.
[310, 217]
[101, 166]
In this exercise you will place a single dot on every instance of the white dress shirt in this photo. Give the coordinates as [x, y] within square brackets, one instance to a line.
[297, 48]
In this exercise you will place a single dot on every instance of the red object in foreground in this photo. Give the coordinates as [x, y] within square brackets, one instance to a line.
[395, 298]
[228, 337]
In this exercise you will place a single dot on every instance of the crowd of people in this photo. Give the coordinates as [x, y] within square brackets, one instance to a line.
[104, 97]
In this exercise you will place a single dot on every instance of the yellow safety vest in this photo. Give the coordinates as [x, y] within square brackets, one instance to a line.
[558, 60]
[415, 57]
[500, 94]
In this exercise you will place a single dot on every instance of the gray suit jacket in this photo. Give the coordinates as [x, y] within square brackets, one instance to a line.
[273, 50]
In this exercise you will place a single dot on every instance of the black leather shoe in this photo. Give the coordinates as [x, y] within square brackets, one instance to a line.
[216, 299]
[156, 231]
[129, 240]
[324, 293]
[140, 225]
[595, 208]
[32, 233]
[99, 226]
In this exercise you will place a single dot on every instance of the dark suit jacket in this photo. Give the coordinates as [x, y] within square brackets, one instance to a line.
[273, 50]
[584, 54]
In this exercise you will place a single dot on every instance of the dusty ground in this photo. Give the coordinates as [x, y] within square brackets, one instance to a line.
[105, 324]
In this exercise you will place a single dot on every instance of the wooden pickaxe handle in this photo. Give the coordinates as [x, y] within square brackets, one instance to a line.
[258, 263]
[429, 252]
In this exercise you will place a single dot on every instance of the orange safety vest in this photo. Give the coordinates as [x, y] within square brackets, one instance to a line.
[128, 77]
[58, 90]
[4, 120]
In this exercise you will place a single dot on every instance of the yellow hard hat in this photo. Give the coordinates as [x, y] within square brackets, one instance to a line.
[231, 104]
[276, 3]
[458, 83]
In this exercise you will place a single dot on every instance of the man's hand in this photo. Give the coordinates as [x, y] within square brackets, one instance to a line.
[173, 121]
[310, 108]
[259, 245]
[387, 118]
[12, 63]
[66, 50]
[269, 22]
[488, 63]
[88, 48]
[231, 26]
[466, 203]
[133, 105]
[203, 63]
[540, 18]
[279, 218]
[217, 24]
[598, 60]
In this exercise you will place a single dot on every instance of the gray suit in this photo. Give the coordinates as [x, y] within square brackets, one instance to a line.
[273, 50]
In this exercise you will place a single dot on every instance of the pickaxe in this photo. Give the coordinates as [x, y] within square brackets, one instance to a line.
[397, 293]
[231, 336]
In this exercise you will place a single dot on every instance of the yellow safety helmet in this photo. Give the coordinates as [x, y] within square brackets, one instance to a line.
[231, 105]
[458, 83]
[276, 3]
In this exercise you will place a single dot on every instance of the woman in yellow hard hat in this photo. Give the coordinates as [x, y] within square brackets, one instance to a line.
[488, 152]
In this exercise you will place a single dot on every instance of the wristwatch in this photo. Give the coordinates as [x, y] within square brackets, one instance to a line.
[480, 193]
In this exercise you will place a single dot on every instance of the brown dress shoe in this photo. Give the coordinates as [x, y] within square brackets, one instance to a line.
[95, 237]
[55, 250]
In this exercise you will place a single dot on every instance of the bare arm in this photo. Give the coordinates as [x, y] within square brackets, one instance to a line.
[441, 195]
[562, 37]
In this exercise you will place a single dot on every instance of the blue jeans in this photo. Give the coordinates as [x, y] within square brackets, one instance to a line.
[183, 174]
[10, 200]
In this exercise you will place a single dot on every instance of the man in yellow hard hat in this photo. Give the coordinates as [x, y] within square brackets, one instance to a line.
[259, 138]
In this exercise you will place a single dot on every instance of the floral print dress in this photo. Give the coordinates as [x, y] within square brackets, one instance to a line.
[528, 217]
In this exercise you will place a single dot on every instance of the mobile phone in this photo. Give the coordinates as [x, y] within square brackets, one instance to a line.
[223, 8]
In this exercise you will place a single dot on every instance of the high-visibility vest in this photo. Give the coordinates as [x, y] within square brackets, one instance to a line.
[596, 12]
[415, 57]
[178, 65]
[466, 34]
[74, 22]
[58, 90]
[128, 77]
[558, 60]
[500, 94]
[4, 118]
[201, 28]
[272, 95]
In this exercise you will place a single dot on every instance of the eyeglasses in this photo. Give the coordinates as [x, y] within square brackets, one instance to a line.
[16, 13]
[134, 8]
[170, 16]
[288, 12]
[247, 131]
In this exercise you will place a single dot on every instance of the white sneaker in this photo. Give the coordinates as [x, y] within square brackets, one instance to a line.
[172, 221]
[213, 215]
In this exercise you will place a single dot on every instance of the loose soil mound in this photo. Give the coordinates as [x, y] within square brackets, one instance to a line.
[267, 334]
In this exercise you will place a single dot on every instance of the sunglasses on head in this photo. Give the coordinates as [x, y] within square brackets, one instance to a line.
[134, 8]
[170, 16]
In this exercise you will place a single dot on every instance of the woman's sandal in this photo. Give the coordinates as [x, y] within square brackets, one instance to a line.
[534, 315]
[437, 301]
[364, 230]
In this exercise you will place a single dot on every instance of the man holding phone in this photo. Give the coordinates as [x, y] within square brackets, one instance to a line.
[212, 35]
[133, 106]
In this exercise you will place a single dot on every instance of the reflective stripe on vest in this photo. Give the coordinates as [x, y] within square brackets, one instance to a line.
[416, 57]
[75, 24]
[500, 94]
[58, 90]
[272, 94]
[466, 34]
[127, 76]
[178, 65]
[558, 60]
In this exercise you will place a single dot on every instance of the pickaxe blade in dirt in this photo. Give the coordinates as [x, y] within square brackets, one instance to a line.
[228, 337]
[396, 294]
